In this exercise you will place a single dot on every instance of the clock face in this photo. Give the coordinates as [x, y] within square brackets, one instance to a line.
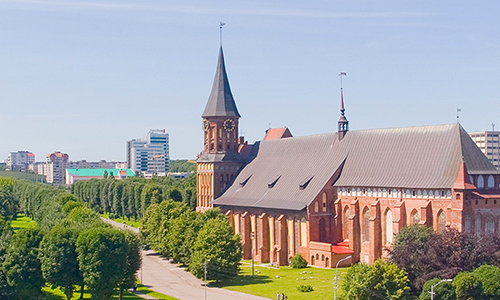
[205, 125]
[229, 125]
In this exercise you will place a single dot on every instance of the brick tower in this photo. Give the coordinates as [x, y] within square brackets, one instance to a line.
[219, 162]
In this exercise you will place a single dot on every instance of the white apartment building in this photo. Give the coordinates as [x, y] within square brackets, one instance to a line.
[55, 167]
[489, 143]
[20, 160]
[149, 155]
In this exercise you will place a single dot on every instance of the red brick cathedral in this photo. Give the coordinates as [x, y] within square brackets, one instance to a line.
[347, 193]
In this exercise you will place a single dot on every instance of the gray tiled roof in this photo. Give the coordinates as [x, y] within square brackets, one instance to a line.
[426, 157]
[221, 102]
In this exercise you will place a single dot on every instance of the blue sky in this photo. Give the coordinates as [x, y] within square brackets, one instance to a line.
[83, 77]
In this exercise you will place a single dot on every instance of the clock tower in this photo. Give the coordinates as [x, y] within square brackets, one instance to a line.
[219, 162]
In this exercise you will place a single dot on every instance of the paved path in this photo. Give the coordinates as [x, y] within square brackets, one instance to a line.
[159, 275]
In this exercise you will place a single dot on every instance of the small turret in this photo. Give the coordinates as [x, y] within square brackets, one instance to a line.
[343, 123]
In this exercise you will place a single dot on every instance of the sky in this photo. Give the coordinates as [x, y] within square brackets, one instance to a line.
[84, 77]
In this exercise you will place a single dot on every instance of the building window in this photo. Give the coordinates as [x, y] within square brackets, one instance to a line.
[324, 201]
[441, 221]
[491, 182]
[415, 217]
[388, 227]
[468, 223]
[478, 224]
[322, 230]
[489, 225]
[480, 182]
[366, 224]
[345, 224]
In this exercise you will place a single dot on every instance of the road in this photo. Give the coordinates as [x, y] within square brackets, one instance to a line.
[159, 275]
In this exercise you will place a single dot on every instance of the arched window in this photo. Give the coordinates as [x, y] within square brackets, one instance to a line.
[316, 206]
[489, 225]
[415, 217]
[345, 223]
[322, 230]
[491, 182]
[441, 221]
[324, 202]
[468, 223]
[480, 182]
[478, 224]
[388, 227]
[366, 224]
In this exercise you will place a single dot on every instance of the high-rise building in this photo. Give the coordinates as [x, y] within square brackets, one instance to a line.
[149, 155]
[489, 143]
[55, 167]
[20, 160]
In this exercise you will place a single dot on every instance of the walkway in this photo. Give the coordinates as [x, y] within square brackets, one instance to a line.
[161, 276]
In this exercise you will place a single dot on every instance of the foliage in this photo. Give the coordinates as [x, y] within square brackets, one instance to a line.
[102, 256]
[305, 288]
[467, 286]
[5, 236]
[8, 206]
[298, 262]
[380, 280]
[21, 265]
[133, 261]
[182, 165]
[443, 291]
[490, 279]
[219, 248]
[58, 259]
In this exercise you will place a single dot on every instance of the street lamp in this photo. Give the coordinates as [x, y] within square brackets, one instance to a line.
[206, 278]
[337, 275]
[252, 237]
[432, 287]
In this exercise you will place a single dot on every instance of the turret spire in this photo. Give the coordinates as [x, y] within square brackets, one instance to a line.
[343, 124]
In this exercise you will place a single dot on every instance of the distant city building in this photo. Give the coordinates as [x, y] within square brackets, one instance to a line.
[149, 155]
[102, 164]
[74, 175]
[20, 160]
[489, 143]
[57, 163]
[179, 175]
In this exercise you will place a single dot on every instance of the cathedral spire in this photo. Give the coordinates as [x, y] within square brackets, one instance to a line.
[221, 102]
[343, 124]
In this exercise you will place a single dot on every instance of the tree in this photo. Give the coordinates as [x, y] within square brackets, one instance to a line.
[467, 286]
[5, 236]
[217, 246]
[490, 279]
[58, 259]
[182, 233]
[21, 265]
[105, 174]
[298, 262]
[134, 261]
[8, 204]
[443, 291]
[102, 258]
[381, 280]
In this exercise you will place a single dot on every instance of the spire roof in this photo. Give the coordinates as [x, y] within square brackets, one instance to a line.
[221, 102]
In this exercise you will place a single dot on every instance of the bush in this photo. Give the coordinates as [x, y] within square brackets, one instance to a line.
[298, 262]
[305, 288]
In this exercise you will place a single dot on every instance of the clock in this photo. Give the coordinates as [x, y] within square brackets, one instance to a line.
[205, 125]
[229, 125]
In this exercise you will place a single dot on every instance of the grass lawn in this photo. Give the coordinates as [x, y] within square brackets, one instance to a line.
[57, 294]
[131, 222]
[22, 221]
[268, 281]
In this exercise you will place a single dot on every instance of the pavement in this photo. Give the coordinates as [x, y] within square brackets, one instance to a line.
[162, 276]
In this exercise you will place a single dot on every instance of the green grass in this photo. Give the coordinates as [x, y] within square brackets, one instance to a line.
[268, 281]
[57, 294]
[23, 175]
[22, 221]
[132, 223]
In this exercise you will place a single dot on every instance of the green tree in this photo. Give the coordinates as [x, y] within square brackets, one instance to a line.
[467, 286]
[58, 259]
[133, 261]
[21, 265]
[217, 246]
[298, 262]
[382, 280]
[182, 234]
[105, 174]
[8, 204]
[443, 291]
[102, 257]
[490, 279]
[5, 236]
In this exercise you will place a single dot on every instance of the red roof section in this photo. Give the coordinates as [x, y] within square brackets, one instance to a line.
[337, 249]
[463, 182]
[277, 133]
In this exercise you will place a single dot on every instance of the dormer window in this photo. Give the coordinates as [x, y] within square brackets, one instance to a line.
[272, 184]
[305, 182]
[244, 182]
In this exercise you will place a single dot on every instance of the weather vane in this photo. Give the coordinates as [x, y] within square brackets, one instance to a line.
[221, 24]
[458, 115]
[342, 74]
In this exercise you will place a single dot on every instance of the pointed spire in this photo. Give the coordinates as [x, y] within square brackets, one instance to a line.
[221, 102]
[343, 124]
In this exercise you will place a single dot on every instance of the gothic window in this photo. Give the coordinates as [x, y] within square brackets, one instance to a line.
[296, 235]
[489, 225]
[322, 230]
[366, 224]
[478, 224]
[257, 232]
[316, 208]
[388, 227]
[345, 223]
[491, 182]
[324, 201]
[480, 182]
[468, 223]
[441, 221]
[276, 231]
[415, 217]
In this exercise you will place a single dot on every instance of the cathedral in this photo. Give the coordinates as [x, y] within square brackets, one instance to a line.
[341, 195]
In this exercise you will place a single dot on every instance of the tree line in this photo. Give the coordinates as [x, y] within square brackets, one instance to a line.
[71, 246]
[130, 197]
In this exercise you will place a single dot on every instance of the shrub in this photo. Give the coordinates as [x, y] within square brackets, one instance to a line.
[305, 288]
[298, 262]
